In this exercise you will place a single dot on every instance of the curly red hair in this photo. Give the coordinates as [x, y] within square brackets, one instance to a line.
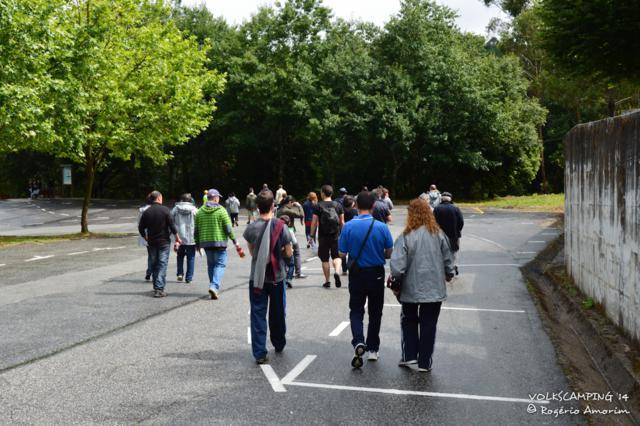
[420, 214]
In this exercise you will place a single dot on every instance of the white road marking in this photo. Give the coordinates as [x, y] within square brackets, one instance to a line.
[128, 217]
[75, 253]
[101, 218]
[339, 329]
[457, 308]
[64, 214]
[249, 335]
[416, 393]
[51, 212]
[272, 377]
[469, 265]
[39, 258]
[500, 246]
[2, 264]
[311, 259]
[536, 242]
[550, 233]
[298, 369]
[304, 268]
[527, 223]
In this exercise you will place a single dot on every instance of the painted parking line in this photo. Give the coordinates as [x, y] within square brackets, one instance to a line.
[474, 265]
[39, 258]
[278, 385]
[415, 393]
[339, 329]
[461, 308]
[75, 253]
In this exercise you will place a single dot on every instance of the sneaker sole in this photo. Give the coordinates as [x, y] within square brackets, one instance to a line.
[357, 362]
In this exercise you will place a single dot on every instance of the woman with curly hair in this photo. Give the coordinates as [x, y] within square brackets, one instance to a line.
[422, 261]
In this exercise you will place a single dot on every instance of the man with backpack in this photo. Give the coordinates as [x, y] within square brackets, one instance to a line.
[328, 219]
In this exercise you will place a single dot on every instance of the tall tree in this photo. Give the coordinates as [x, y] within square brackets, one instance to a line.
[125, 83]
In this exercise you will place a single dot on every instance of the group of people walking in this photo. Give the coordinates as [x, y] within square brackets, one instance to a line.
[352, 236]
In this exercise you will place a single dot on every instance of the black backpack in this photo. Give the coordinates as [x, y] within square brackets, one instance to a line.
[329, 220]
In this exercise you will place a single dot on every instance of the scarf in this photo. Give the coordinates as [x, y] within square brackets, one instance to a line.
[267, 253]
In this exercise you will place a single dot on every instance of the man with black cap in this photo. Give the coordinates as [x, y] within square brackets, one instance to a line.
[342, 193]
[450, 220]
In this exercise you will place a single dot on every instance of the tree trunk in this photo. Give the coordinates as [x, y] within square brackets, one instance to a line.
[90, 173]
[543, 169]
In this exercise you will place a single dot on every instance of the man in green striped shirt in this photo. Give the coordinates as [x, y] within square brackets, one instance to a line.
[212, 231]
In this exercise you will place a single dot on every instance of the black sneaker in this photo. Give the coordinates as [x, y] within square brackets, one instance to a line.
[263, 360]
[359, 350]
[301, 276]
[159, 293]
[187, 281]
[338, 282]
[455, 268]
[326, 285]
[289, 285]
[147, 277]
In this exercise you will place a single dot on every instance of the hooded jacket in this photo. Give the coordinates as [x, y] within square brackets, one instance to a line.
[184, 215]
[213, 227]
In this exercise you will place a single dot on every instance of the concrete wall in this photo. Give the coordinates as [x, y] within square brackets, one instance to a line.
[602, 217]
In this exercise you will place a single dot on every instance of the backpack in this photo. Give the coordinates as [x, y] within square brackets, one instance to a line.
[329, 220]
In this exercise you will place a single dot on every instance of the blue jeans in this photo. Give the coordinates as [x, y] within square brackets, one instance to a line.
[216, 264]
[418, 321]
[291, 267]
[366, 284]
[272, 297]
[190, 253]
[149, 263]
[159, 259]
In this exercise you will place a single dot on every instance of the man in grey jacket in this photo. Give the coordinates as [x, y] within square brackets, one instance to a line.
[184, 214]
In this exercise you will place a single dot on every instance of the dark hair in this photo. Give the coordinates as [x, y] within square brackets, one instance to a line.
[186, 198]
[349, 201]
[265, 201]
[154, 195]
[286, 219]
[231, 194]
[327, 190]
[366, 200]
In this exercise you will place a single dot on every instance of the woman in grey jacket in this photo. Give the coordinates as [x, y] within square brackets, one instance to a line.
[421, 256]
[184, 214]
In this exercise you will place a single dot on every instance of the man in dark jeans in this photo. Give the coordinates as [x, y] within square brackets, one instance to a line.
[156, 226]
[368, 243]
[328, 219]
[270, 245]
[449, 218]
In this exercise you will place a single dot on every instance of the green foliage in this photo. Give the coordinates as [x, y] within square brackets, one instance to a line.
[594, 37]
[115, 79]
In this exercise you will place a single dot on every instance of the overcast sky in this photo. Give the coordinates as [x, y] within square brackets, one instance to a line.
[474, 15]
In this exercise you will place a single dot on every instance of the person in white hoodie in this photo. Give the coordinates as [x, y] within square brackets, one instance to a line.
[184, 214]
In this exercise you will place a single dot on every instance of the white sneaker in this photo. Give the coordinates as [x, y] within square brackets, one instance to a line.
[180, 277]
[373, 356]
[407, 363]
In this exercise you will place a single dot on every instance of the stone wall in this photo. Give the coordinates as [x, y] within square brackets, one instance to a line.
[602, 217]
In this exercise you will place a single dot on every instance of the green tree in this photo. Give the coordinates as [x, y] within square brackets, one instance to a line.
[594, 37]
[125, 83]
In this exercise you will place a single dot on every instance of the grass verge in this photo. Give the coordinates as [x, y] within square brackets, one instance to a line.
[12, 240]
[553, 203]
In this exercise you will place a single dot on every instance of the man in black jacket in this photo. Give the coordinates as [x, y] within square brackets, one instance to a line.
[449, 218]
[156, 226]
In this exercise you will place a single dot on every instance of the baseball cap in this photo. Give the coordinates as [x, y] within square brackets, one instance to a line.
[214, 193]
[343, 190]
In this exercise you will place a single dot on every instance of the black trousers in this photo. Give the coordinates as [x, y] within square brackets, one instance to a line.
[418, 321]
[366, 284]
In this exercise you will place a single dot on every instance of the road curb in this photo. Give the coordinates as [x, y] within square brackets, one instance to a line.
[600, 339]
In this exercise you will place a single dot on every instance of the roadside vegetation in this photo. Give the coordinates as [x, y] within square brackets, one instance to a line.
[552, 203]
[12, 240]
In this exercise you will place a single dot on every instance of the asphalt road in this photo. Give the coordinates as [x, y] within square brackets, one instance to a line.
[83, 341]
